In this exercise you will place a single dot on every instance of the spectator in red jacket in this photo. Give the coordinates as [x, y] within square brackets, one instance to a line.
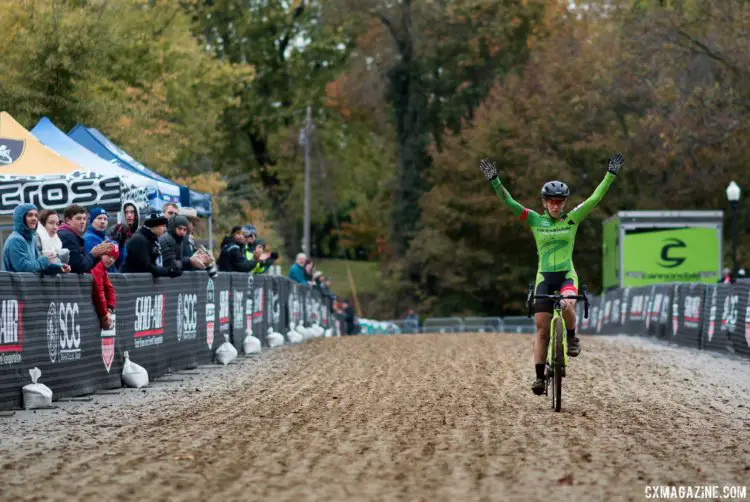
[102, 290]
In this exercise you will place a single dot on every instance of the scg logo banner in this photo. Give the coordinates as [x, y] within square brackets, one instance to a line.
[63, 331]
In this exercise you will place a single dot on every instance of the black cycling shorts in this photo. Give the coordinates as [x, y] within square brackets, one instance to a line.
[548, 283]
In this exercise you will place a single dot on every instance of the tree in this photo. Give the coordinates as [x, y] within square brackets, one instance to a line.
[294, 54]
[444, 57]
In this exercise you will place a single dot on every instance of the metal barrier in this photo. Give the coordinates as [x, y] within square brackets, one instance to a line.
[518, 324]
[484, 324]
[512, 324]
[443, 325]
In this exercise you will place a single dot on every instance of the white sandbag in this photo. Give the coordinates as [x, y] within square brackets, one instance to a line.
[274, 339]
[329, 333]
[134, 375]
[292, 335]
[251, 345]
[303, 331]
[36, 395]
[226, 353]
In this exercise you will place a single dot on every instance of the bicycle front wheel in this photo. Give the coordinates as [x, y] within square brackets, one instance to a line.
[558, 363]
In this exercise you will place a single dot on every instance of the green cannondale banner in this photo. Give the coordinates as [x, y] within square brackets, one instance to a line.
[654, 256]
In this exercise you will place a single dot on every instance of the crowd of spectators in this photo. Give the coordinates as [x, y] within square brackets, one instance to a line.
[159, 242]
[84, 243]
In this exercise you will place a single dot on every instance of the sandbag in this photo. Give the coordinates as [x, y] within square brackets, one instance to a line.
[274, 339]
[134, 375]
[226, 353]
[251, 345]
[36, 395]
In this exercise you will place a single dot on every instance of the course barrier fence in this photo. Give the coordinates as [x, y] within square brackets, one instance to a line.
[703, 316]
[165, 324]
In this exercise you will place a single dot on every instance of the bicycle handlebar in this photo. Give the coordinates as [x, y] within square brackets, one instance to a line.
[557, 297]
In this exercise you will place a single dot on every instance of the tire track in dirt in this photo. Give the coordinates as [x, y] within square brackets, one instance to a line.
[414, 417]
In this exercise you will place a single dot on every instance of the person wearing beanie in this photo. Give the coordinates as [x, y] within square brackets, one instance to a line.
[143, 250]
[20, 253]
[232, 257]
[171, 242]
[250, 234]
[71, 235]
[96, 232]
[102, 291]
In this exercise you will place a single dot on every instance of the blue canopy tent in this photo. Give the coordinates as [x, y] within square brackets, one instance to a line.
[57, 140]
[98, 143]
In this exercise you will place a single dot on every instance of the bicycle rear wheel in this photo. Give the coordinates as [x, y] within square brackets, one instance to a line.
[558, 362]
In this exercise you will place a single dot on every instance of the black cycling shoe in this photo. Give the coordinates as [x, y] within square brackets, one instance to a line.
[538, 386]
[574, 347]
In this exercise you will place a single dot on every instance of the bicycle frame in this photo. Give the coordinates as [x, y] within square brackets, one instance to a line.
[555, 369]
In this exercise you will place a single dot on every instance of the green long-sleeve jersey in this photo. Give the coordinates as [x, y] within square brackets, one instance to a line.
[554, 238]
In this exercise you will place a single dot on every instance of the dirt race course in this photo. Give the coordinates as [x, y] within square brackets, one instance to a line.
[414, 417]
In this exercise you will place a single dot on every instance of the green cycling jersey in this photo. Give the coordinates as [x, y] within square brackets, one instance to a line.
[554, 238]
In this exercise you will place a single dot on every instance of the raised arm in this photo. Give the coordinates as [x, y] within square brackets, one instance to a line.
[525, 214]
[580, 212]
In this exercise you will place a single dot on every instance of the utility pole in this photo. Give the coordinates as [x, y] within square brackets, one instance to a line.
[308, 147]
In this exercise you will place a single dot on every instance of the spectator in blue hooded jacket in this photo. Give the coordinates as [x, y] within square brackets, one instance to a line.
[96, 232]
[20, 253]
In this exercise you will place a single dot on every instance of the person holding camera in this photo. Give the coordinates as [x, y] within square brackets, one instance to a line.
[232, 257]
[262, 260]
[195, 257]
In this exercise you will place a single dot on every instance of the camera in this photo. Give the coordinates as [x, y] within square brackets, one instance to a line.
[211, 268]
[63, 255]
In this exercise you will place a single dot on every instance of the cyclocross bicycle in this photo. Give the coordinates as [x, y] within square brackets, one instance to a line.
[557, 349]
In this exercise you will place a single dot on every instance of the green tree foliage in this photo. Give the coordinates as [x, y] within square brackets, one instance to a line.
[294, 54]
[129, 68]
[442, 58]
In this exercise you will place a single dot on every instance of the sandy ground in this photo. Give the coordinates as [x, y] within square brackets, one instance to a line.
[414, 417]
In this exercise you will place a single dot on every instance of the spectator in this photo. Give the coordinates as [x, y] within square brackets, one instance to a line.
[192, 257]
[96, 233]
[71, 234]
[309, 272]
[350, 323]
[171, 210]
[232, 257]
[250, 234]
[21, 253]
[47, 239]
[144, 253]
[320, 283]
[171, 242]
[297, 271]
[726, 277]
[329, 288]
[101, 289]
[127, 225]
[261, 260]
[411, 322]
